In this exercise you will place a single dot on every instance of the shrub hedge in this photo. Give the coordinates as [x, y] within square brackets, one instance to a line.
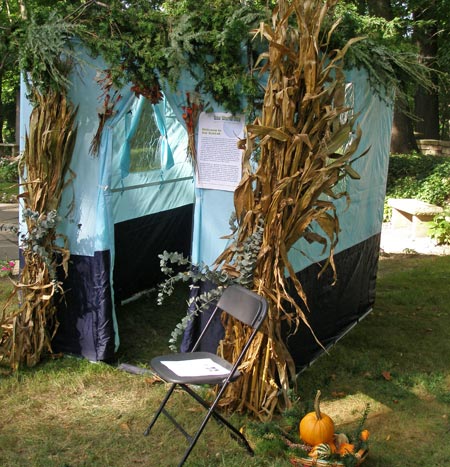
[426, 178]
[417, 176]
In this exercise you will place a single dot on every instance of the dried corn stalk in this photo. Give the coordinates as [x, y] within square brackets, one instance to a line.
[305, 148]
[26, 333]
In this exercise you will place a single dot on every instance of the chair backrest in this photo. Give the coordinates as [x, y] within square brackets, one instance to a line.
[243, 304]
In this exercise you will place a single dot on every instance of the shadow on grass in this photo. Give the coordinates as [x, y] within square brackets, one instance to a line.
[145, 326]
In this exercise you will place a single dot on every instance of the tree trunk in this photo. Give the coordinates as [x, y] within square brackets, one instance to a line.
[23, 9]
[426, 100]
[427, 111]
[402, 136]
[380, 8]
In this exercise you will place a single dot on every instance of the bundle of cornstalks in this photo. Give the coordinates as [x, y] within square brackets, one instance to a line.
[304, 144]
[26, 332]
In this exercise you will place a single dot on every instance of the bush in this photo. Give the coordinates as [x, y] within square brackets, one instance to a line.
[8, 170]
[414, 165]
[417, 176]
[440, 228]
[436, 187]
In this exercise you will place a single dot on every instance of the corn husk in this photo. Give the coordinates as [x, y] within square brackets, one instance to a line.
[303, 154]
[26, 333]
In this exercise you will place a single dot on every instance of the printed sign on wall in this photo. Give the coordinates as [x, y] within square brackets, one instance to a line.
[219, 161]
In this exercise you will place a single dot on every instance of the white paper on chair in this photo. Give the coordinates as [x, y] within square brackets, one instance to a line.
[200, 367]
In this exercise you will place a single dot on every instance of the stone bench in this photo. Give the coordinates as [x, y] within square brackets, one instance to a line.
[414, 214]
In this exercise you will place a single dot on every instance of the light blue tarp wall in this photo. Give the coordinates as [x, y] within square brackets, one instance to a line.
[102, 194]
[359, 222]
[212, 207]
[139, 193]
[105, 193]
[118, 195]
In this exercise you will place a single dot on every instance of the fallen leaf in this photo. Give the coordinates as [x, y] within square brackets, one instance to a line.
[194, 409]
[153, 380]
[55, 356]
[125, 426]
[386, 375]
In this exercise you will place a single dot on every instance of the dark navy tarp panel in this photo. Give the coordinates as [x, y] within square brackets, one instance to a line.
[85, 312]
[334, 308]
[140, 241]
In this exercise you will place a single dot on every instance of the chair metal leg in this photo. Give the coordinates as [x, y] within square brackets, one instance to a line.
[195, 438]
[235, 433]
[211, 412]
[177, 425]
[160, 409]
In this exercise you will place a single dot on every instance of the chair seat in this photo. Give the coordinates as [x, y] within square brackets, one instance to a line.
[193, 368]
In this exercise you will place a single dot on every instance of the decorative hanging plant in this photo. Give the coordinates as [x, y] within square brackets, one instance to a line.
[191, 114]
[108, 100]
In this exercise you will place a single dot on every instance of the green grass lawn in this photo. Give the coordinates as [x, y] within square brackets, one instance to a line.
[70, 413]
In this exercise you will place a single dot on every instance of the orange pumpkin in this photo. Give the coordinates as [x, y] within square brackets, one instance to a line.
[316, 427]
[364, 435]
[346, 448]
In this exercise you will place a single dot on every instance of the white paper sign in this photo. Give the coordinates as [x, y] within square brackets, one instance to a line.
[219, 161]
[200, 367]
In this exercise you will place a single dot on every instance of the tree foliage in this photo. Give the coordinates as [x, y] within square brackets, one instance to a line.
[422, 31]
[143, 41]
[9, 77]
[151, 40]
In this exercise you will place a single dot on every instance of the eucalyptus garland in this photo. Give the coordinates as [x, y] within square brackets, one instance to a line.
[246, 254]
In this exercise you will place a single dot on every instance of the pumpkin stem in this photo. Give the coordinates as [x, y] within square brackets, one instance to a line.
[317, 405]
